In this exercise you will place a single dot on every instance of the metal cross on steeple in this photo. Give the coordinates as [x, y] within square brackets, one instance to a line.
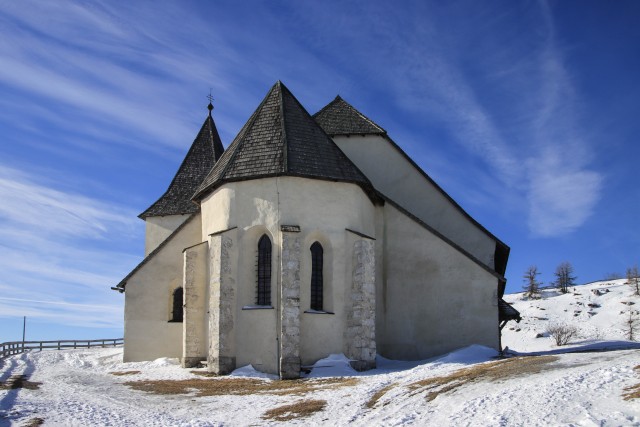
[210, 98]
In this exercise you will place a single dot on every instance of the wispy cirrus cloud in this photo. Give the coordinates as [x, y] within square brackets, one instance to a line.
[115, 67]
[509, 102]
[32, 207]
[53, 256]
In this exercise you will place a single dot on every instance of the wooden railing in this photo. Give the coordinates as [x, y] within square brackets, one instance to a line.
[17, 347]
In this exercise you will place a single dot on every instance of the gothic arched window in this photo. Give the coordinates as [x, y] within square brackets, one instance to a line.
[263, 294]
[316, 276]
[176, 312]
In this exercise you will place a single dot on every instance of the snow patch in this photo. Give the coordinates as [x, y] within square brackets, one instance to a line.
[250, 372]
[335, 365]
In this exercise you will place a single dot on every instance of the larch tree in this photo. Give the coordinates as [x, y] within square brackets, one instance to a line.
[564, 277]
[531, 284]
[633, 278]
[631, 325]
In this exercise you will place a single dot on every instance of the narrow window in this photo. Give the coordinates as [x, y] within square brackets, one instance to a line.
[316, 276]
[176, 313]
[263, 295]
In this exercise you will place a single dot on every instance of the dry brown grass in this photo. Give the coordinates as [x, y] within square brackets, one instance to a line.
[632, 392]
[378, 394]
[19, 381]
[123, 373]
[492, 371]
[239, 386]
[34, 422]
[297, 410]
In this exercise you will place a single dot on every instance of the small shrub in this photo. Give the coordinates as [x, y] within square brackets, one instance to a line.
[562, 333]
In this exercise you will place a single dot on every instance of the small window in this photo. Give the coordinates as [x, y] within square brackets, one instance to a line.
[263, 294]
[316, 276]
[176, 313]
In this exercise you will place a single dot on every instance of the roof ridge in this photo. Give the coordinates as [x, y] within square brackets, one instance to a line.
[120, 287]
[374, 124]
[331, 141]
[215, 140]
[285, 160]
[339, 117]
[441, 236]
[442, 191]
[281, 138]
[159, 207]
[235, 149]
[355, 110]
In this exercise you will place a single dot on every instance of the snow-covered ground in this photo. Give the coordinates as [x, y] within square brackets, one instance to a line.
[599, 311]
[469, 387]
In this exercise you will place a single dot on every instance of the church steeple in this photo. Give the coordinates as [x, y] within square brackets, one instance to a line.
[282, 139]
[205, 151]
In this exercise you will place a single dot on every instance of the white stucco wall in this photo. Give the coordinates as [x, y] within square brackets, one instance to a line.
[435, 299]
[397, 178]
[148, 334]
[323, 210]
[158, 228]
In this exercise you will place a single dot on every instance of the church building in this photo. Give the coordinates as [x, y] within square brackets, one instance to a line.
[308, 236]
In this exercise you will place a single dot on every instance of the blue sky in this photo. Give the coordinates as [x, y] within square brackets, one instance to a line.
[525, 112]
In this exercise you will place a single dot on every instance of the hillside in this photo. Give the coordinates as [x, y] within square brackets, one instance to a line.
[469, 387]
[599, 311]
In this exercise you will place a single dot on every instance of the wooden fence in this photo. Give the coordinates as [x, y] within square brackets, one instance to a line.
[17, 347]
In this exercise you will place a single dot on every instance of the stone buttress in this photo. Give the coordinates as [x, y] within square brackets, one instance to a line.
[195, 298]
[360, 334]
[290, 306]
[222, 301]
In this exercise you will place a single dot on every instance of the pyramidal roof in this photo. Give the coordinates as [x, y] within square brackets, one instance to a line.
[281, 138]
[205, 150]
[340, 118]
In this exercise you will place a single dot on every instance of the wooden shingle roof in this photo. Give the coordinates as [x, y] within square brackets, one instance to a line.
[205, 150]
[282, 139]
[340, 118]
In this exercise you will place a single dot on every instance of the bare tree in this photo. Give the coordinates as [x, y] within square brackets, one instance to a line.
[564, 277]
[531, 285]
[612, 276]
[631, 325]
[562, 332]
[633, 278]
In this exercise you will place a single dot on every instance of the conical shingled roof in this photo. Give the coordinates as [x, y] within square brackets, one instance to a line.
[340, 118]
[205, 150]
[281, 138]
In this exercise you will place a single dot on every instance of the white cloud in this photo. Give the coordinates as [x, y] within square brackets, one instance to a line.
[515, 108]
[45, 210]
[560, 201]
[54, 258]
